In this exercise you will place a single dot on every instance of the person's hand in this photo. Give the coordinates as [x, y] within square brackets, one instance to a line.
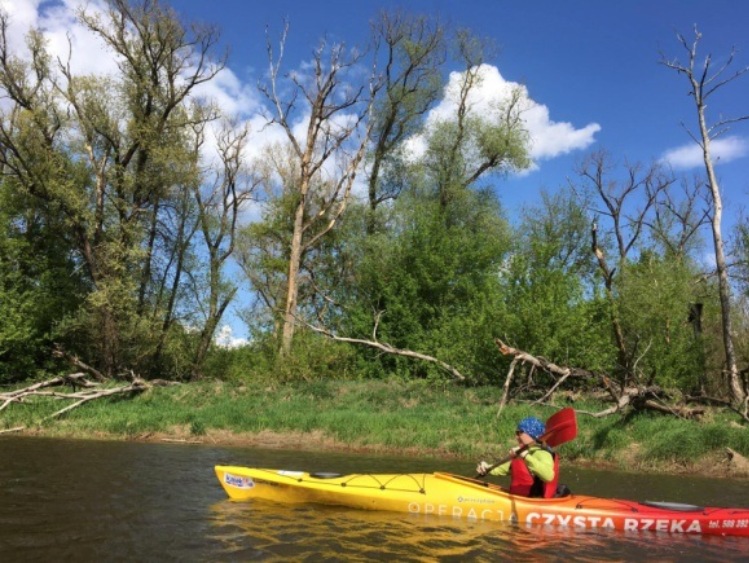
[518, 451]
[482, 468]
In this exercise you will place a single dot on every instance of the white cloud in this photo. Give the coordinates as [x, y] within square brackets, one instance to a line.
[87, 53]
[548, 139]
[230, 94]
[23, 15]
[67, 39]
[226, 339]
[721, 150]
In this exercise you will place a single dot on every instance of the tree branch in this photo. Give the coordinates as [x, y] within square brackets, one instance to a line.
[388, 349]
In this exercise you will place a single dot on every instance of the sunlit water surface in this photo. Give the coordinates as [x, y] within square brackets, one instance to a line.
[118, 501]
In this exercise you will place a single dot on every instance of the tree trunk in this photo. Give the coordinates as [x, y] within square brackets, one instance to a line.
[295, 260]
[732, 371]
[703, 83]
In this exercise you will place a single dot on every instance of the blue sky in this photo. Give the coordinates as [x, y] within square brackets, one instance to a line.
[592, 64]
[587, 61]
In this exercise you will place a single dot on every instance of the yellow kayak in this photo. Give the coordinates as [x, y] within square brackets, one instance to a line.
[449, 495]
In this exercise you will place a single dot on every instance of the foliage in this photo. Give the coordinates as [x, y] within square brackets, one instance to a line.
[106, 167]
[654, 299]
[389, 415]
[546, 283]
[115, 240]
[427, 285]
[40, 285]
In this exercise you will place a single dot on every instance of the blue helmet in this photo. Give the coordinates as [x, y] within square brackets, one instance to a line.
[532, 426]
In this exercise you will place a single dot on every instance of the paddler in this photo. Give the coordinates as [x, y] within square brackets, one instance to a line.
[533, 466]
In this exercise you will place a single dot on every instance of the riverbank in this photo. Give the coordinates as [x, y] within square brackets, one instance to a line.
[393, 417]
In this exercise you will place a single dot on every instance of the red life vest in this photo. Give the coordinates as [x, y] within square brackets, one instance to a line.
[528, 485]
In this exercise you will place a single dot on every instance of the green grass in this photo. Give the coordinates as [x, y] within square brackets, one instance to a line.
[390, 415]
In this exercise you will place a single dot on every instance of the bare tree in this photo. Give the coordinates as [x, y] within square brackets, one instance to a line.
[627, 224]
[327, 157]
[704, 81]
[677, 220]
[219, 204]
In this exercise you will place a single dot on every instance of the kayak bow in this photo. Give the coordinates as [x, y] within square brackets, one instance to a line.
[451, 495]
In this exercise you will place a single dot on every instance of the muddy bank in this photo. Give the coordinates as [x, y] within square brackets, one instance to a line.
[728, 464]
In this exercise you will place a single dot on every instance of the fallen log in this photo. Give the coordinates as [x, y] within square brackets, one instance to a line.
[136, 386]
[641, 397]
[388, 349]
[84, 392]
[541, 363]
[77, 362]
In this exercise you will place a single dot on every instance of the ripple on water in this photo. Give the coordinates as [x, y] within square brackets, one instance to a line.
[104, 501]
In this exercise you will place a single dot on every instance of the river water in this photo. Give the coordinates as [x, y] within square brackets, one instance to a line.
[83, 501]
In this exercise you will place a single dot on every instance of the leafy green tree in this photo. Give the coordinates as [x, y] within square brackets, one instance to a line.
[646, 243]
[552, 308]
[427, 282]
[40, 284]
[412, 49]
[741, 256]
[465, 147]
[428, 285]
[655, 295]
[111, 156]
[625, 206]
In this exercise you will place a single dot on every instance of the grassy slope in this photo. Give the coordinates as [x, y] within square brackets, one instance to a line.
[410, 418]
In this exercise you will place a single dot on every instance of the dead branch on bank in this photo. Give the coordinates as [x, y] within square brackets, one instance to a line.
[89, 391]
[388, 349]
[60, 353]
[706, 400]
[637, 397]
[506, 387]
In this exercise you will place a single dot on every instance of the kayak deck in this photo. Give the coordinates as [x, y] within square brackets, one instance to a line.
[445, 494]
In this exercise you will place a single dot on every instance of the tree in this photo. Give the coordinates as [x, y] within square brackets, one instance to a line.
[111, 157]
[428, 280]
[704, 81]
[741, 275]
[654, 298]
[547, 285]
[428, 284]
[413, 49]
[741, 251]
[218, 212]
[40, 284]
[467, 146]
[626, 223]
[326, 159]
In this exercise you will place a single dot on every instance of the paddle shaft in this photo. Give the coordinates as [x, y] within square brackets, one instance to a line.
[508, 458]
[560, 428]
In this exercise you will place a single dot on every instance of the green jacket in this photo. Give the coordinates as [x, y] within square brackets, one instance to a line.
[539, 461]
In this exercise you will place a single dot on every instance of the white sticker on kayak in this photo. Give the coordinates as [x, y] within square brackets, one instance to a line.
[287, 473]
[238, 481]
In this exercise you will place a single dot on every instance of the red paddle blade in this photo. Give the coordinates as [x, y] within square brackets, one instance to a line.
[560, 428]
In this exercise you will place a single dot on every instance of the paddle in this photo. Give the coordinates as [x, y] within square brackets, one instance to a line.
[560, 429]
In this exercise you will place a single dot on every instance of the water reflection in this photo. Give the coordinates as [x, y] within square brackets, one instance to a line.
[329, 533]
[108, 501]
[269, 531]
